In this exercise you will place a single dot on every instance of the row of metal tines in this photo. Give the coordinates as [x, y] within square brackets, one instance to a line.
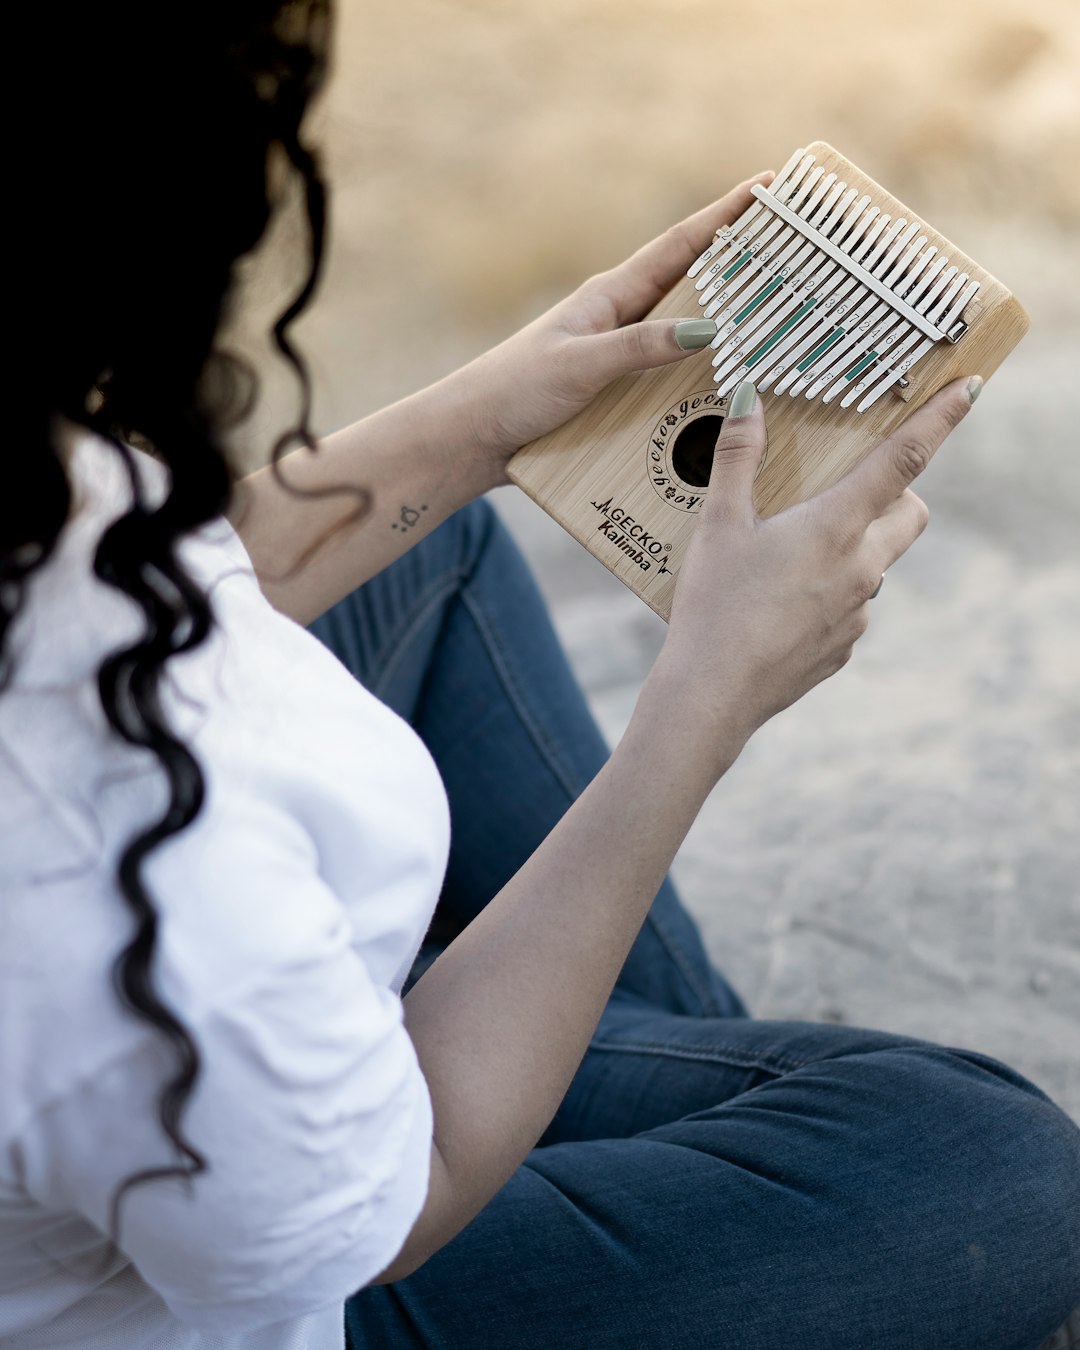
[817, 291]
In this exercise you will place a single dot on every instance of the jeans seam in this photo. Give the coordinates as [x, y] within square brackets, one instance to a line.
[723, 1054]
[397, 643]
[678, 957]
[497, 653]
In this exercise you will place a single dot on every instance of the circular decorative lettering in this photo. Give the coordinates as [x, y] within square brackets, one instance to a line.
[677, 477]
[678, 454]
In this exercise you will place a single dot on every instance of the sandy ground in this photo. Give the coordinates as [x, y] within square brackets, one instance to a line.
[901, 849]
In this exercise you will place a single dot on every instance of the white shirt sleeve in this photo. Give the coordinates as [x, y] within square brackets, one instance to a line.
[314, 1118]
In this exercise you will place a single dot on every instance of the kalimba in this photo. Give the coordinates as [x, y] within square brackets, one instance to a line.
[846, 311]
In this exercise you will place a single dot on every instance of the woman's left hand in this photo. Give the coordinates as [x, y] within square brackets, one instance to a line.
[539, 378]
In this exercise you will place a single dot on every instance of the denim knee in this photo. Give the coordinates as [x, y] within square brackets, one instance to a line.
[1012, 1177]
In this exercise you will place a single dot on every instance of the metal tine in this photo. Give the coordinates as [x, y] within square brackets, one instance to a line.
[729, 332]
[748, 269]
[876, 258]
[847, 352]
[859, 314]
[736, 243]
[895, 329]
[892, 334]
[904, 263]
[931, 298]
[852, 228]
[840, 210]
[744, 265]
[724, 236]
[884, 380]
[947, 308]
[820, 277]
[894, 348]
[917, 292]
[745, 323]
[837, 358]
[777, 298]
[807, 334]
[961, 294]
[867, 246]
[871, 229]
[747, 243]
[866, 242]
[959, 305]
[900, 243]
[839, 213]
[883, 239]
[891, 247]
[804, 321]
[913, 281]
[852, 232]
[750, 225]
[730, 357]
[725, 303]
[866, 249]
[790, 256]
[727, 232]
[952, 290]
[895, 374]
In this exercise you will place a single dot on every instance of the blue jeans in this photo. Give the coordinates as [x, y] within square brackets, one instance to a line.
[709, 1180]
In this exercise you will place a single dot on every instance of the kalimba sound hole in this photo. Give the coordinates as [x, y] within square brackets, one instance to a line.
[692, 453]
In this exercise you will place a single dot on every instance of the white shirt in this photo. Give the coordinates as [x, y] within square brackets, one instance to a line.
[290, 913]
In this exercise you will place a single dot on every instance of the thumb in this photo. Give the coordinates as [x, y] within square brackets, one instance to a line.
[643, 346]
[740, 449]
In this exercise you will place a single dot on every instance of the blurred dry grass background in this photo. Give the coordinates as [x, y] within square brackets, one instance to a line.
[485, 157]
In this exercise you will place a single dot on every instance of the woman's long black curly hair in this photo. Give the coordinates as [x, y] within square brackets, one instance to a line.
[147, 177]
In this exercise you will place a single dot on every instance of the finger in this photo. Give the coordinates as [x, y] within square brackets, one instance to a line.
[643, 280]
[891, 535]
[893, 465]
[740, 449]
[603, 357]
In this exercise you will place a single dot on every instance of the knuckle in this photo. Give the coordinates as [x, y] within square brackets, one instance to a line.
[680, 234]
[591, 308]
[921, 514]
[738, 444]
[911, 454]
[597, 284]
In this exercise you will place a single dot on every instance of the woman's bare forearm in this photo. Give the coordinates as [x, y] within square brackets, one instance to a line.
[503, 1019]
[412, 459]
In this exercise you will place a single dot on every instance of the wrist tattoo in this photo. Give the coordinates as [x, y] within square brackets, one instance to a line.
[408, 519]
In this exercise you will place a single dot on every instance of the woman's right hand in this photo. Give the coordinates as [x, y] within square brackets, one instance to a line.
[765, 609]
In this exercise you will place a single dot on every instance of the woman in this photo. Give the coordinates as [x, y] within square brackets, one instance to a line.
[221, 848]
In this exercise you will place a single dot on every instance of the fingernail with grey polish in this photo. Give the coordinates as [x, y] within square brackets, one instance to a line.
[743, 400]
[693, 334]
[975, 387]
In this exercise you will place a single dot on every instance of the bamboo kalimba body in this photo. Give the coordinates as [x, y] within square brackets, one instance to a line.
[846, 310]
